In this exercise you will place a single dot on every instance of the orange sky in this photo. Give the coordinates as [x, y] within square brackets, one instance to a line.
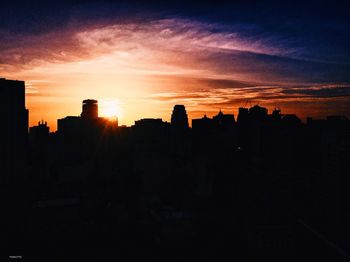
[143, 70]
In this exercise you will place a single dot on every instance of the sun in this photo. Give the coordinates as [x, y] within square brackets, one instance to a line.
[110, 108]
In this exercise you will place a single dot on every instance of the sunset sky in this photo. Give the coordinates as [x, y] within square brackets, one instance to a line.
[142, 59]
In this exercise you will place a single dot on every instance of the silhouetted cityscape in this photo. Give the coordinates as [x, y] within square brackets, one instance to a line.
[254, 186]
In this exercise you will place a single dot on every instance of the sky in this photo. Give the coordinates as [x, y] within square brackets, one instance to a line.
[139, 59]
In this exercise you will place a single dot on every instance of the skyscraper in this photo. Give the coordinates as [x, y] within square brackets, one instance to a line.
[243, 115]
[13, 132]
[179, 117]
[90, 109]
[258, 113]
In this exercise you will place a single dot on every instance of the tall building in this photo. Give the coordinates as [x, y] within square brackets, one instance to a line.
[79, 136]
[13, 133]
[179, 117]
[258, 113]
[243, 115]
[39, 156]
[90, 109]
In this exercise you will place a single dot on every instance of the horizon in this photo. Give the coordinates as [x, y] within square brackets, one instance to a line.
[114, 117]
[110, 110]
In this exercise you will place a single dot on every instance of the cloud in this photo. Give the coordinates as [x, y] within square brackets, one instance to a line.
[173, 45]
[320, 91]
[205, 65]
[306, 100]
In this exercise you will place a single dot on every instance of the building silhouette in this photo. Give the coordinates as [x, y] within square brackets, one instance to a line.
[243, 115]
[39, 133]
[13, 162]
[224, 120]
[203, 124]
[40, 158]
[258, 113]
[78, 140]
[13, 133]
[89, 109]
[179, 119]
[266, 186]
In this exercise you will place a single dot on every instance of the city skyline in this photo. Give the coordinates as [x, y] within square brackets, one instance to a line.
[139, 60]
[92, 108]
[95, 189]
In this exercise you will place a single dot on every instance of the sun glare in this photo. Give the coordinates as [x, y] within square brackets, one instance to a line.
[110, 109]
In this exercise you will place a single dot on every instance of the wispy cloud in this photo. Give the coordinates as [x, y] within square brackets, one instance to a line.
[175, 60]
